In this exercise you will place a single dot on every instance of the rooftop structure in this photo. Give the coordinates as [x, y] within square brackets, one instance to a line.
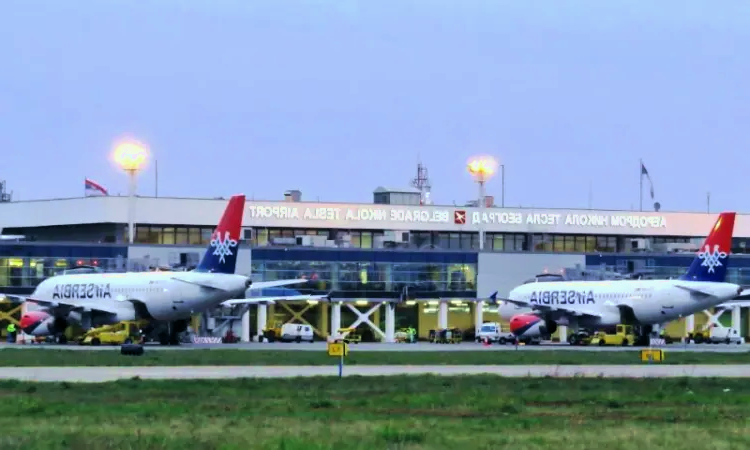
[185, 221]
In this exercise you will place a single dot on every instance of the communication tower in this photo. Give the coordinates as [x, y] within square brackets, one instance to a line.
[5, 197]
[422, 183]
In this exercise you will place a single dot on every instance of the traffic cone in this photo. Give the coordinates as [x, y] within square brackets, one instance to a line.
[486, 342]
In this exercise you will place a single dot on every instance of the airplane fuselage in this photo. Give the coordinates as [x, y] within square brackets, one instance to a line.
[650, 301]
[163, 296]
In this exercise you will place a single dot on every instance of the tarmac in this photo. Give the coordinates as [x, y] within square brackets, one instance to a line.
[104, 374]
[382, 347]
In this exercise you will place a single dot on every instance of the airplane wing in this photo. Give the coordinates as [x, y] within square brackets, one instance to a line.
[578, 311]
[744, 294]
[269, 284]
[693, 291]
[271, 300]
[73, 306]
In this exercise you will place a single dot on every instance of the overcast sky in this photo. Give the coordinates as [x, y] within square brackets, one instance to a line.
[338, 97]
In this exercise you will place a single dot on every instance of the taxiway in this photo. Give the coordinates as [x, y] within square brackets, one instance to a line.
[382, 347]
[104, 374]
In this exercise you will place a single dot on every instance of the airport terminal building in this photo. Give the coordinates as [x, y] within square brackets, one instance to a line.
[361, 252]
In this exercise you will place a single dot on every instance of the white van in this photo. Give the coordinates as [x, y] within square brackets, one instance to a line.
[726, 335]
[492, 331]
[296, 332]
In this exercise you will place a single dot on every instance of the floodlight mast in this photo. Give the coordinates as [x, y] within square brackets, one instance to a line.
[131, 157]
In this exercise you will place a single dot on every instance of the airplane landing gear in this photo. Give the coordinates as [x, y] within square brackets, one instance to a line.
[171, 336]
[643, 335]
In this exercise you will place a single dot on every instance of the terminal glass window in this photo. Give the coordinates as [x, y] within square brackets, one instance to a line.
[606, 244]
[466, 241]
[488, 241]
[167, 236]
[498, 243]
[141, 234]
[421, 239]
[194, 236]
[154, 235]
[356, 239]
[590, 244]
[558, 243]
[580, 244]
[261, 237]
[181, 236]
[366, 237]
[541, 243]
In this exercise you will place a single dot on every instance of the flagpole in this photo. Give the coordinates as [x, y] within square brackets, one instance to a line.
[156, 176]
[640, 192]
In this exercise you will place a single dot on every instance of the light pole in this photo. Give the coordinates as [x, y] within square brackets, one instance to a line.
[482, 168]
[131, 157]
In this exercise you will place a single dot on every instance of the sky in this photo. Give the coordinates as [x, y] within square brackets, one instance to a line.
[336, 98]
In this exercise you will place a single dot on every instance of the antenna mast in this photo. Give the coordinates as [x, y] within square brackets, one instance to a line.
[5, 197]
[422, 182]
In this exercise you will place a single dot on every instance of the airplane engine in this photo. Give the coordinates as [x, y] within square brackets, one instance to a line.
[531, 326]
[41, 323]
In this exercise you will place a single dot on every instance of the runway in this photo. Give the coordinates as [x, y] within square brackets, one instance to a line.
[104, 374]
[382, 347]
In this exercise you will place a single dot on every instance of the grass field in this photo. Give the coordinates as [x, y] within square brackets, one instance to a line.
[408, 413]
[221, 357]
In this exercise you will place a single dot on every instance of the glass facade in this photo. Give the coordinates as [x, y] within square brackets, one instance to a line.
[371, 274]
[350, 273]
[264, 237]
[172, 235]
[23, 266]
[662, 266]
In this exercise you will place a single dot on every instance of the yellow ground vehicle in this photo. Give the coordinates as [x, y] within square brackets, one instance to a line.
[273, 333]
[117, 334]
[623, 336]
[350, 335]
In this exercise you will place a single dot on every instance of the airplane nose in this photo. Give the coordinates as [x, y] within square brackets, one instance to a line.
[31, 320]
[520, 324]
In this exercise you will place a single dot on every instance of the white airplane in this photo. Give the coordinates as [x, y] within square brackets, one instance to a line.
[163, 297]
[536, 308]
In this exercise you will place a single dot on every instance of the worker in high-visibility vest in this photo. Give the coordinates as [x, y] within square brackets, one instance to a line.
[412, 334]
[11, 333]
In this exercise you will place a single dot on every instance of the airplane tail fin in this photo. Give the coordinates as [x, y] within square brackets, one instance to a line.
[221, 254]
[710, 264]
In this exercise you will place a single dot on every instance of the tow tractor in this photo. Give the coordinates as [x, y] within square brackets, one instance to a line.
[580, 337]
[349, 335]
[117, 334]
[623, 336]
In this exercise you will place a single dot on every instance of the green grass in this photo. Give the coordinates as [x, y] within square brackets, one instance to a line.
[407, 413]
[221, 357]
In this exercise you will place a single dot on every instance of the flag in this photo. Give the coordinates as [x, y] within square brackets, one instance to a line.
[91, 187]
[648, 177]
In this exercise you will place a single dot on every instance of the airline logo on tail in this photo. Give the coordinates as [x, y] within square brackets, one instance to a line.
[712, 260]
[223, 248]
[710, 264]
